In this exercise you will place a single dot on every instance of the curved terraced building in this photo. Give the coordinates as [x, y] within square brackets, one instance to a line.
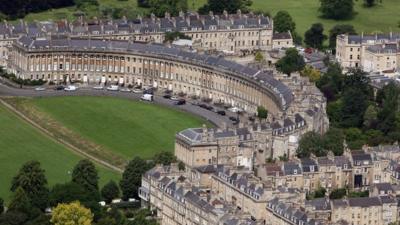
[123, 62]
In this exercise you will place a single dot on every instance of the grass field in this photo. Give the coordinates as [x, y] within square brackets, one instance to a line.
[19, 143]
[128, 128]
[381, 18]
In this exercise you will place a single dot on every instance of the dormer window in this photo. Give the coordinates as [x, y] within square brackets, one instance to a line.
[312, 168]
[345, 166]
[295, 171]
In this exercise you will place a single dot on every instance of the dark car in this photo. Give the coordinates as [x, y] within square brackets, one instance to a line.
[252, 119]
[210, 108]
[234, 119]
[167, 96]
[221, 112]
[59, 88]
[180, 102]
[204, 106]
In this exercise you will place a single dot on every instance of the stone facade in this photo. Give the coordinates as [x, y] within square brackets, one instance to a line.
[372, 53]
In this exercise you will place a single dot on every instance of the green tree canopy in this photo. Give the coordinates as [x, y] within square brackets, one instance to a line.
[32, 180]
[164, 158]
[110, 191]
[291, 62]
[173, 7]
[20, 202]
[71, 213]
[314, 37]
[231, 6]
[86, 175]
[311, 142]
[1, 205]
[132, 178]
[283, 22]
[262, 112]
[337, 9]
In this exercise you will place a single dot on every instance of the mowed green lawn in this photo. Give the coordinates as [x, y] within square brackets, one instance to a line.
[20, 142]
[126, 127]
[381, 18]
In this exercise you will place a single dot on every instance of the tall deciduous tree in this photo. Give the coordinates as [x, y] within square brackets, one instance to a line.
[337, 9]
[311, 142]
[164, 158]
[132, 177]
[1, 205]
[337, 30]
[369, 3]
[110, 191]
[291, 62]
[231, 6]
[283, 22]
[71, 214]
[20, 202]
[86, 175]
[31, 178]
[262, 113]
[314, 37]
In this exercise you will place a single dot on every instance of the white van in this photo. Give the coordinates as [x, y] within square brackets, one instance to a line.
[113, 88]
[70, 88]
[147, 97]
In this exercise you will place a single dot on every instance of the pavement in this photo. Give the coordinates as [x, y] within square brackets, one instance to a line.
[212, 117]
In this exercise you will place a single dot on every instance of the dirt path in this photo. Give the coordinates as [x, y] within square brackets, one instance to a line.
[69, 146]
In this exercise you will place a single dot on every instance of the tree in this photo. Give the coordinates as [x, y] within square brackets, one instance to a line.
[32, 180]
[311, 142]
[69, 192]
[143, 3]
[333, 139]
[231, 6]
[20, 202]
[1, 205]
[132, 178]
[173, 7]
[181, 166]
[71, 214]
[337, 30]
[259, 57]
[355, 138]
[85, 174]
[370, 117]
[262, 113]
[338, 193]
[164, 158]
[369, 3]
[110, 191]
[291, 62]
[106, 221]
[337, 9]
[283, 22]
[331, 83]
[313, 74]
[390, 107]
[314, 37]
[354, 104]
[320, 192]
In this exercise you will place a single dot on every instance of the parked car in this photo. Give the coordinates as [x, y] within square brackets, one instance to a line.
[221, 112]
[137, 91]
[167, 96]
[98, 87]
[147, 97]
[70, 88]
[235, 110]
[148, 91]
[59, 88]
[40, 89]
[174, 98]
[210, 108]
[252, 119]
[125, 90]
[113, 88]
[180, 102]
[232, 118]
